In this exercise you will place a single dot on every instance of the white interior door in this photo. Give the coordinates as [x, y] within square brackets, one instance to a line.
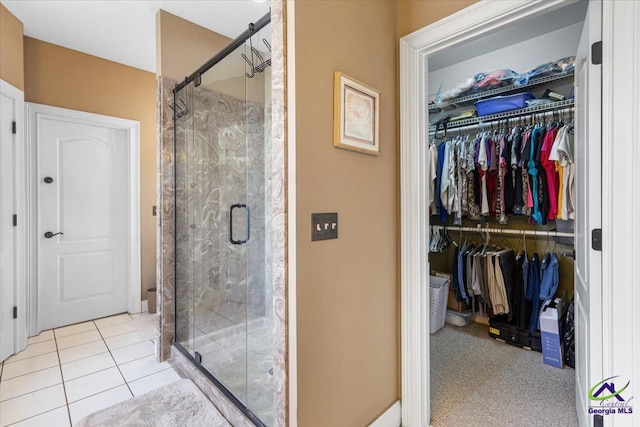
[7, 229]
[588, 271]
[83, 194]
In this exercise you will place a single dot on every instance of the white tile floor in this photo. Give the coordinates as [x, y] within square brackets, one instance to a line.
[70, 372]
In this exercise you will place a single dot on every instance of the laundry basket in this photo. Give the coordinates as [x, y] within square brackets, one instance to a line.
[438, 291]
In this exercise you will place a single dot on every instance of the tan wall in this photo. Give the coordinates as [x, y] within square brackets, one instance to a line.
[415, 14]
[182, 46]
[11, 49]
[66, 78]
[347, 313]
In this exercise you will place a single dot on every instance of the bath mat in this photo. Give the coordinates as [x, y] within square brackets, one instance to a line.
[180, 403]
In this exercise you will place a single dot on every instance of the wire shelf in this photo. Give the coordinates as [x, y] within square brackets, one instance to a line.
[533, 83]
[568, 103]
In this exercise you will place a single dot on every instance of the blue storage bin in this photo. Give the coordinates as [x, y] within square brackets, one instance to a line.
[500, 104]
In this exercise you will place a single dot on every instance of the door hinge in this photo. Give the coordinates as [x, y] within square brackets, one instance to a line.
[598, 421]
[15, 312]
[14, 127]
[596, 239]
[15, 220]
[596, 53]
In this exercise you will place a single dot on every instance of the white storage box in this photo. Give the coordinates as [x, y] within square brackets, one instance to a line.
[438, 291]
[552, 333]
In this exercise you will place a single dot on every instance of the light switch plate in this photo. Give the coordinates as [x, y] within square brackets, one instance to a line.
[324, 226]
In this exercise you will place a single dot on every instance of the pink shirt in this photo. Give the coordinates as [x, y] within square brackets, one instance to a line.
[550, 168]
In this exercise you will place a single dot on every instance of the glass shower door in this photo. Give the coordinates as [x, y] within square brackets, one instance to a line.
[259, 262]
[223, 199]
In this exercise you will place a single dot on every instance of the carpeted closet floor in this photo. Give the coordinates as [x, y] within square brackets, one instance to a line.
[478, 381]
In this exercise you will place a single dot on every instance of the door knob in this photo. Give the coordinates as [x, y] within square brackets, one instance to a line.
[49, 234]
[48, 180]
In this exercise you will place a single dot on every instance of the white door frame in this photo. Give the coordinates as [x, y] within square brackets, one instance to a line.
[21, 329]
[34, 113]
[475, 21]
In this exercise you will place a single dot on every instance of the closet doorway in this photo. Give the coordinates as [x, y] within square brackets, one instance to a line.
[467, 30]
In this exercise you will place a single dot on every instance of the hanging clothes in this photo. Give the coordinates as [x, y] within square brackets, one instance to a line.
[459, 263]
[507, 263]
[483, 167]
[516, 169]
[549, 277]
[562, 152]
[533, 291]
[433, 174]
[452, 180]
[510, 171]
[532, 169]
[521, 308]
[549, 167]
[438, 199]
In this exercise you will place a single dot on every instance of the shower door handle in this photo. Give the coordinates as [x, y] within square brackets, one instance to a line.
[231, 208]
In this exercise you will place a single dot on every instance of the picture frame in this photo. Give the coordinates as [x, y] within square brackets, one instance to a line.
[356, 115]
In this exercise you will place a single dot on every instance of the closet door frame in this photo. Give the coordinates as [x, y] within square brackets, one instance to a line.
[475, 21]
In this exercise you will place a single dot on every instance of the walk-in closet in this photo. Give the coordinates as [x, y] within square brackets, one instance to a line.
[504, 207]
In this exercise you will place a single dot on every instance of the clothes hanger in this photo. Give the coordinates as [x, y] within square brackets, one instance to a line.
[442, 125]
[546, 247]
[524, 242]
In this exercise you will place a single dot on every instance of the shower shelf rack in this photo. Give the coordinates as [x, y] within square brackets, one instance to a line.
[256, 69]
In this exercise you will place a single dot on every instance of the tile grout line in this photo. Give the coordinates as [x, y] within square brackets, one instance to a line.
[88, 342]
[148, 375]
[32, 391]
[64, 387]
[30, 357]
[33, 372]
[116, 363]
[56, 342]
[37, 415]
[57, 351]
[95, 394]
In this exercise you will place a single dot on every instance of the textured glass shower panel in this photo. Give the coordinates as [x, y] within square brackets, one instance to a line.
[223, 223]
[259, 262]
[222, 217]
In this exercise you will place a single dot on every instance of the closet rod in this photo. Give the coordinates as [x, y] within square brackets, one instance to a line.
[550, 233]
[488, 123]
[480, 124]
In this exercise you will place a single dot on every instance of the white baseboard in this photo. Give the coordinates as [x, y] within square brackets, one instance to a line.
[145, 306]
[392, 417]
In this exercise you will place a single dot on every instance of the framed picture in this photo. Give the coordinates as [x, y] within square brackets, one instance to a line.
[356, 111]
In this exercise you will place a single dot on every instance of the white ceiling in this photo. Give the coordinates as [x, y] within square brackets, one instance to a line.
[124, 31]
